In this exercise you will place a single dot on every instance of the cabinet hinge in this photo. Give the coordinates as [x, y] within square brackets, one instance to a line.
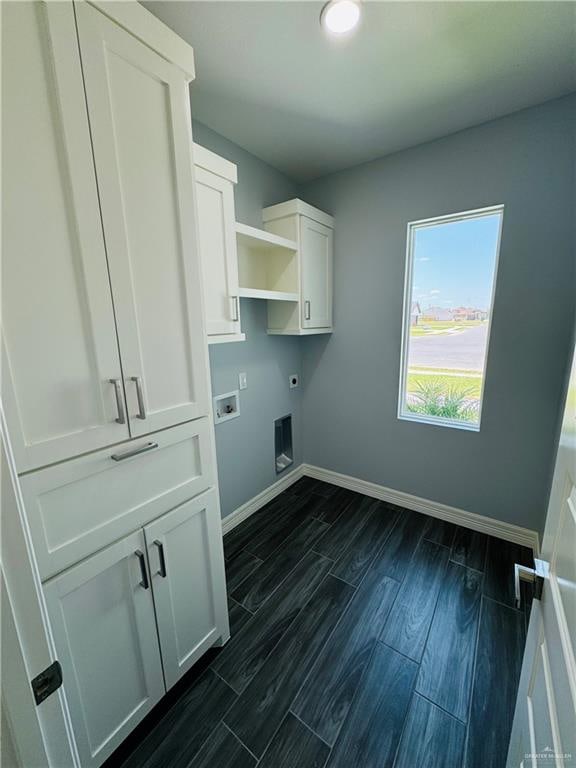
[47, 682]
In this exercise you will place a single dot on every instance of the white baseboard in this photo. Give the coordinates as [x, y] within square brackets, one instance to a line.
[257, 502]
[488, 525]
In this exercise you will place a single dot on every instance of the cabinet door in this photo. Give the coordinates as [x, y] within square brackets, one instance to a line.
[102, 616]
[187, 566]
[140, 119]
[217, 236]
[316, 245]
[59, 343]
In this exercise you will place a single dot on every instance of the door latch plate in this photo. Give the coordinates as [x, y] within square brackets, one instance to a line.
[47, 682]
[536, 575]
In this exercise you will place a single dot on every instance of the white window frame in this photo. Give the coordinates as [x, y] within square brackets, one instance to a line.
[403, 413]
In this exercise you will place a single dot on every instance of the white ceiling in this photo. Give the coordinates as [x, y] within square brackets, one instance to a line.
[269, 78]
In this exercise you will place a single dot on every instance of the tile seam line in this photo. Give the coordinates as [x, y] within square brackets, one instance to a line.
[376, 554]
[308, 727]
[279, 639]
[316, 658]
[475, 648]
[416, 692]
[313, 664]
[473, 689]
[281, 545]
[239, 740]
[296, 563]
[374, 558]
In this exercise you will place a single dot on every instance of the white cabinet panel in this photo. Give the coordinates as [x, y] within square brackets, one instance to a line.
[139, 115]
[316, 274]
[80, 506]
[217, 237]
[102, 618]
[313, 230]
[187, 565]
[59, 341]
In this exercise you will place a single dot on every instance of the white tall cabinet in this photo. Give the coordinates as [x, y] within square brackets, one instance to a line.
[140, 122]
[82, 372]
[104, 356]
[62, 381]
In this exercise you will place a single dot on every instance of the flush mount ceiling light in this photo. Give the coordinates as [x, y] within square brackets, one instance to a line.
[340, 16]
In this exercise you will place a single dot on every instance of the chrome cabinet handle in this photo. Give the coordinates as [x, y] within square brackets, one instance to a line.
[162, 559]
[119, 401]
[140, 395]
[142, 560]
[306, 310]
[236, 315]
[134, 452]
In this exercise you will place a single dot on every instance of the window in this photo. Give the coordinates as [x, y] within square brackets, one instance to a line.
[450, 276]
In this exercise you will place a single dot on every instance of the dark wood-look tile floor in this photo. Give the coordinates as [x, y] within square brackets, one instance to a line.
[364, 635]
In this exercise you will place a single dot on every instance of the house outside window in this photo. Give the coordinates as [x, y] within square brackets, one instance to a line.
[451, 267]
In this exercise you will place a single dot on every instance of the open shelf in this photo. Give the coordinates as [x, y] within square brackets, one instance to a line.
[260, 293]
[258, 239]
[267, 265]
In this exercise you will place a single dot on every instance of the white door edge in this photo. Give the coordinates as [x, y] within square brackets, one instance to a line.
[22, 581]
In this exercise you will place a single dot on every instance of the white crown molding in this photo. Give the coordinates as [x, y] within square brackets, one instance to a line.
[487, 525]
[213, 163]
[146, 27]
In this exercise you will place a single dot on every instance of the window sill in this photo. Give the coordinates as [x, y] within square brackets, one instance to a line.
[437, 422]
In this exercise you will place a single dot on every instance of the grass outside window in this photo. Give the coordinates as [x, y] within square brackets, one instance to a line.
[450, 277]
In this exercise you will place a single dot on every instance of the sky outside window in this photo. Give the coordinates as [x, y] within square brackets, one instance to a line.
[447, 315]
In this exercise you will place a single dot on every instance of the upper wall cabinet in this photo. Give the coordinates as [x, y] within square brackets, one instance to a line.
[139, 116]
[61, 367]
[313, 232]
[215, 180]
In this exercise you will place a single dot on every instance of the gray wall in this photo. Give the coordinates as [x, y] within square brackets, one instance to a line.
[245, 446]
[350, 379]
[258, 185]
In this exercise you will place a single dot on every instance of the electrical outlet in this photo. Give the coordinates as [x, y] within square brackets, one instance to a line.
[242, 380]
[294, 380]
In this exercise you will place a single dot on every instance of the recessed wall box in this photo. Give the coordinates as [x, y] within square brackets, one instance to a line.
[283, 443]
[226, 407]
